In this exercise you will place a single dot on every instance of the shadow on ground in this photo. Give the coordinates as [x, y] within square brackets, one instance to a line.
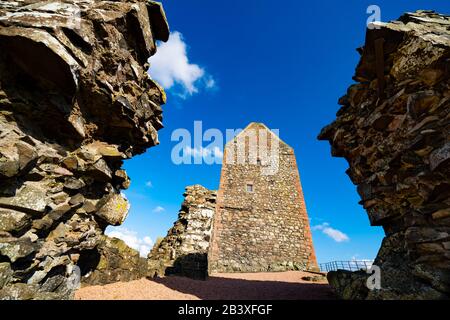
[219, 288]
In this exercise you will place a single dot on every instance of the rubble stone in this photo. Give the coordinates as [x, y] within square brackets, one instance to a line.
[185, 248]
[115, 261]
[75, 101]
[393, 129]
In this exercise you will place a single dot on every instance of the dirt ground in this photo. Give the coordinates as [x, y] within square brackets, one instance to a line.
[234, 286]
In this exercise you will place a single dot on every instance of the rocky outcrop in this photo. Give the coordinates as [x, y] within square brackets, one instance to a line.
[393, 129]
[112, 261]
[75, 101]
[184, 251]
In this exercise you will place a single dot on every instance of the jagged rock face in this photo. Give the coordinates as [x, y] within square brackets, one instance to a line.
[75, 101]
[393, 129]
[184, 251]
[113, 261]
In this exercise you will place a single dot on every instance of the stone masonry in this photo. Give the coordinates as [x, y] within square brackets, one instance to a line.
[112, 261]
[393, 129]
[265, 229]
[75, 101]
[184, 250]
[261, 223]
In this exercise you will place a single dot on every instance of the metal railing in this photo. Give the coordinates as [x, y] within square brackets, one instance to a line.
[351, 265]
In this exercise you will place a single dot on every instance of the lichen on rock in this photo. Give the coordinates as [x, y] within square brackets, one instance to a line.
[75, 101]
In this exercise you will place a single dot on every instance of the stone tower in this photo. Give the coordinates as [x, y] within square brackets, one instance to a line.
[261, 223]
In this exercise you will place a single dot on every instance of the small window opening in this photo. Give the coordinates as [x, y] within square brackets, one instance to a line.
[249, 187]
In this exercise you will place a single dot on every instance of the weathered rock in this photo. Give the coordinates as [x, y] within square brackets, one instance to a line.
[122, 178]
[59, 211]
[22, 291]
[184, 250]
[100, 171]
[18, 291]
[15, 249]
[76, 200]
[13, 221]
[113, 208]
[75, 101]
[349, 285]
[74, 183]
[97, 149]
[440, 157]
[30, 197]
[5, 274]
[42, 224]
[114, 261]
[393, 129]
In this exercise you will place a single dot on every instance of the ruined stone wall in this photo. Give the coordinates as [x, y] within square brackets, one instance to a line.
[266, 229]
[393, 129]
[75, 101]
[184, 250]
[113, 261]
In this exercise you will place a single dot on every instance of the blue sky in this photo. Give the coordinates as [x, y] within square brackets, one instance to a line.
[283, 63]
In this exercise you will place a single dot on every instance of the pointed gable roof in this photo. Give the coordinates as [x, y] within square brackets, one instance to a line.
[259, 126]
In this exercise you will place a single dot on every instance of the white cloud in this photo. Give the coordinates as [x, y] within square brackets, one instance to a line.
[158, 209]
[170, 67]
[131, 238]
[334, 234]
[149, 184]
[210, 82]
[358, 263]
